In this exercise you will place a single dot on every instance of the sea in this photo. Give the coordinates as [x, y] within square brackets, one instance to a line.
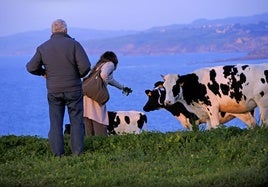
[24, 107]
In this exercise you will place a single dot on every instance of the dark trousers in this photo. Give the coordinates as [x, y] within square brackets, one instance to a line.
[93, 128]
[74, 103]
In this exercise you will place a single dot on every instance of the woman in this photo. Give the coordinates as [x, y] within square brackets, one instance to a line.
[95, 115]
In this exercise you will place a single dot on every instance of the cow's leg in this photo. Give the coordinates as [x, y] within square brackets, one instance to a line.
[247, 118]
[185, 122]
[208, 124]
[213, 113]
[264, 116]
[188, 124]
[263, 107]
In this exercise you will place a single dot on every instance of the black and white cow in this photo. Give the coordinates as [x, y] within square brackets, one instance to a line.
[235, 89]
[156, 99]
[121, 122]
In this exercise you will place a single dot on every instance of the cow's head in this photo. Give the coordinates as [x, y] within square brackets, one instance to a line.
[156, 97]
[172, 87]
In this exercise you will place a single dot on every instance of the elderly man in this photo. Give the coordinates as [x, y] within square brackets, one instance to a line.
[63, 62]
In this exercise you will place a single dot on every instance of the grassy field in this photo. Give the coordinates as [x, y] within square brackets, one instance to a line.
[221, 157]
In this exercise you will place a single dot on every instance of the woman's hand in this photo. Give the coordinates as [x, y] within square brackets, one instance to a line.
[126, 91]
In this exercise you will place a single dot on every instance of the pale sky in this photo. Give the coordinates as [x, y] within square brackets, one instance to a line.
[27, 15]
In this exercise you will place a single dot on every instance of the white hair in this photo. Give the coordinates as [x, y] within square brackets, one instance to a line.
[59, 25]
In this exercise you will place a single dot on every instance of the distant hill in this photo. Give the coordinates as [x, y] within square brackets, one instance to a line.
[236, 34]
[233, 20]
[206, 38]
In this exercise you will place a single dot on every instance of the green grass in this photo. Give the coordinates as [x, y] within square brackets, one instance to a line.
[221, 157]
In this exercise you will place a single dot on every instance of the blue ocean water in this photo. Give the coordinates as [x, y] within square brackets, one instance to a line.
[24, 108]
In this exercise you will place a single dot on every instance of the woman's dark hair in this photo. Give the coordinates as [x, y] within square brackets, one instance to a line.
[108, 56]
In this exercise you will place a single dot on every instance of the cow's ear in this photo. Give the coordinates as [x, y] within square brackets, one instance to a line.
[148, 92]
[158, 83]
[163, 77]
[180, 80]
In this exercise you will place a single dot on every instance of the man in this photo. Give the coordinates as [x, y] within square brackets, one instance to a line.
[63, 62]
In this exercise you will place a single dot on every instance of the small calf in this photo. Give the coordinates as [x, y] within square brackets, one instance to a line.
[121, 122]
[126, 122]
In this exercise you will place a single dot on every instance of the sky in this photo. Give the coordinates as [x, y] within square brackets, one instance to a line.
[27, 15]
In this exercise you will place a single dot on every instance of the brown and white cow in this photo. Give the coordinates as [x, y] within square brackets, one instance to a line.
[156, 99]
[236, 89]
